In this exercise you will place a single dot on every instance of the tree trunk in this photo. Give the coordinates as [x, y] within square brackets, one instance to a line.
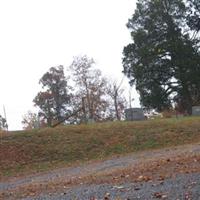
[49, 117]
[187, 99]
[116, 107]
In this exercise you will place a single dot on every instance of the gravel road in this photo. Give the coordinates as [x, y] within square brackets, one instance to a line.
[183, 187]
[173, 188]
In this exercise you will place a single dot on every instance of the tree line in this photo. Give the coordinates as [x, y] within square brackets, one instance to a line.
[83, 96]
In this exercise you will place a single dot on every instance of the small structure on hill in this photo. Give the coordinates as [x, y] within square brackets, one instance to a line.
[134, 114]
[196, 110]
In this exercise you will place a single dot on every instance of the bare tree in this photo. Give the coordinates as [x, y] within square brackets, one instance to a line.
[32, 120]
[118, 101]
[90, 89]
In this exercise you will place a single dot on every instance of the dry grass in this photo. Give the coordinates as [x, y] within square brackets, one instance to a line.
[40, 150]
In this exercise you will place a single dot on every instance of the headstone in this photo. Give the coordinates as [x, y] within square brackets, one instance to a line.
[90, 121]
[133, 114]
[196, 110]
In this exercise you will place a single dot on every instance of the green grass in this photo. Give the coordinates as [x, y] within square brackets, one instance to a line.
[40, 150]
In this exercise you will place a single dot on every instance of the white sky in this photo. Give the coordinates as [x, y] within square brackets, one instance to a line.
[38, 34]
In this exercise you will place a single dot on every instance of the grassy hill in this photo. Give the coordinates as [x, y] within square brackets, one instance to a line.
[40, 150]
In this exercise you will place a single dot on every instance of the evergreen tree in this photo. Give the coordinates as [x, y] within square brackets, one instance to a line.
[163, 61]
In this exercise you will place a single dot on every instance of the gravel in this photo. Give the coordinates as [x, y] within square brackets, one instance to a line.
[101, 166]
[182, 187]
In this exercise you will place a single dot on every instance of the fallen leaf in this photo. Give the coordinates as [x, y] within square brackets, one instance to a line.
[159, 195]
[118, 187]
[144, 178]
[136, 188]
[107, 195]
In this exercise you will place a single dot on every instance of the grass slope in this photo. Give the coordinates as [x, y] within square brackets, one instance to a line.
[39, 150]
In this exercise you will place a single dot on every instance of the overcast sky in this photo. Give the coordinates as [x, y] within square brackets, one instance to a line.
[38, 34]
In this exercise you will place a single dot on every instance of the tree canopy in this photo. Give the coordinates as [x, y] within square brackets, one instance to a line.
[164, 59]
[3, 123]
[90, 89]
[55, 97]
[92, 98]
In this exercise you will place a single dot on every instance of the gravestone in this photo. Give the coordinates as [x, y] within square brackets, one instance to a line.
[134, 114]
[196, 110]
